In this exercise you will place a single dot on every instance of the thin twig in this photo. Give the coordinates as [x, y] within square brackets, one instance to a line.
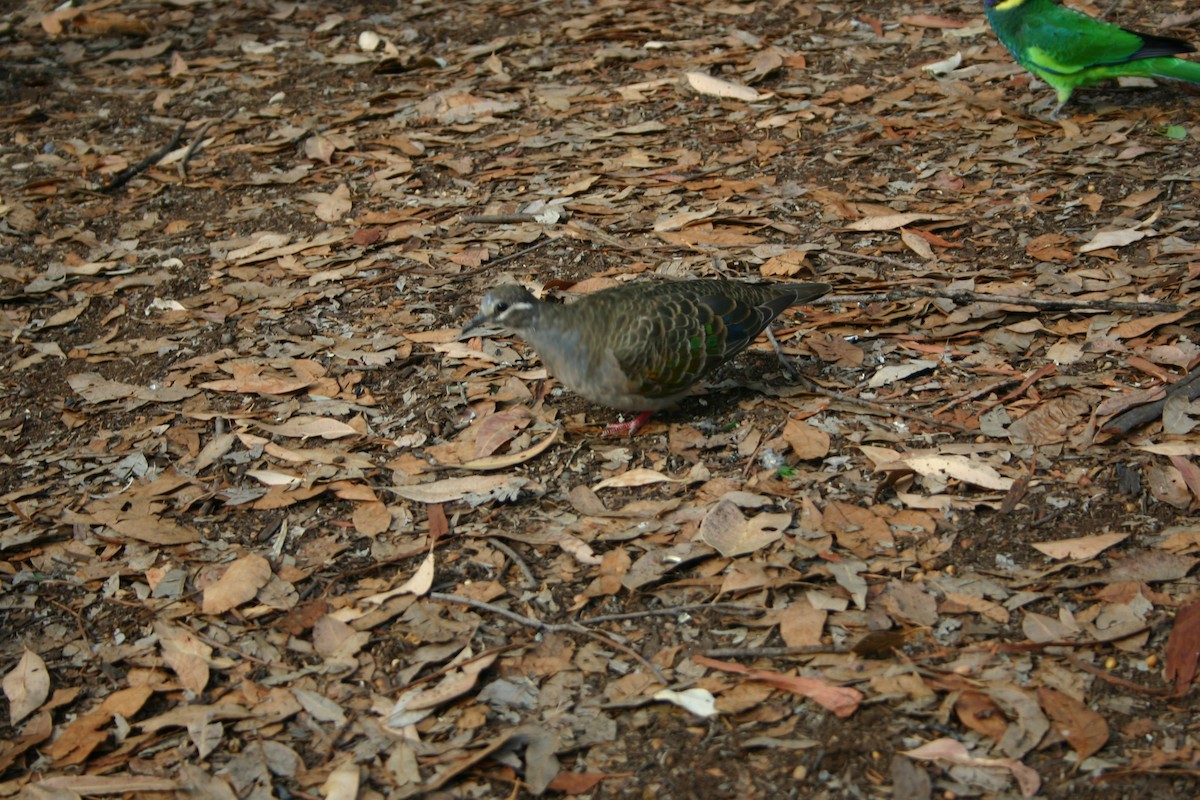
[497, 219]
[775, 652]
[437, 673]
[1108, 677]
[765, 439]
[1026, 647]
[520, 619]
[124, 176]
[197, 141]
[549, 627]
[531, 582]
[673, 611]
[1122, 424]
[78, 621]
[231, 649]
[1045, 371]
[988, 389]
[511, 256]
[964, 296]
[883, 407]
[895, 262]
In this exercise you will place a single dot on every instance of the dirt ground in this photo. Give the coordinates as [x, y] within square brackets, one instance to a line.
[271, 527]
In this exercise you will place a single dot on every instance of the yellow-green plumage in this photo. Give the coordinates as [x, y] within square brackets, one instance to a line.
[1068, 49]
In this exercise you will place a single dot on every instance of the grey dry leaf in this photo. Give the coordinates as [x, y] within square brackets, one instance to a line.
[1117, 238]
[731, 534]
[307, 427]
[338, 643]
[185, 654]
[414, 705]
[1080, 548]
[953, 752]
[1040, 628]
[205, 736]
[321, 707]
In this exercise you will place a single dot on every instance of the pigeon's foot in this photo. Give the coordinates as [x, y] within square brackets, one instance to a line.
[628, 428]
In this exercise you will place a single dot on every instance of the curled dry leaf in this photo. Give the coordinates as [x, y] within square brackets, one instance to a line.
[27, 685]
[704, 83]
[414, 705]
[952, 752]
[695, 700]
[843, 701]
[420, 583]
[807, 441]
[885, 376]
[635, 477]
[238, 585]
[1082, 547]
[343, 781]
[1084, 729]
[890, 222]
[959, 468]
[731, 534]
[944, 66]
[185, 654]
[450, 489]
[512, 459]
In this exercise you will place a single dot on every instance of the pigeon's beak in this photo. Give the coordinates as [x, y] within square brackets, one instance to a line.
[476, 322]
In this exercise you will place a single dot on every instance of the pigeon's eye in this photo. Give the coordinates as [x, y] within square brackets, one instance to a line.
[501, 307]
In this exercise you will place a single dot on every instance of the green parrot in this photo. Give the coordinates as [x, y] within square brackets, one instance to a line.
[1067, 48]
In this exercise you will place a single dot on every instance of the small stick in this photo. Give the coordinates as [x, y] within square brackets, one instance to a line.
[549, 627]
[1127, 421]
[991, 387]
[672, 611]
[530, 581]
[895, 262]
[965, 296]
[511, 256]
[124, 176]
[1044, 371]
[197, 141]
[497, 219]
[882, 407]
[775, 652]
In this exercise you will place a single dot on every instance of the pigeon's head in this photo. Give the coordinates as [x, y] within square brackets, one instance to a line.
[508, 306]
